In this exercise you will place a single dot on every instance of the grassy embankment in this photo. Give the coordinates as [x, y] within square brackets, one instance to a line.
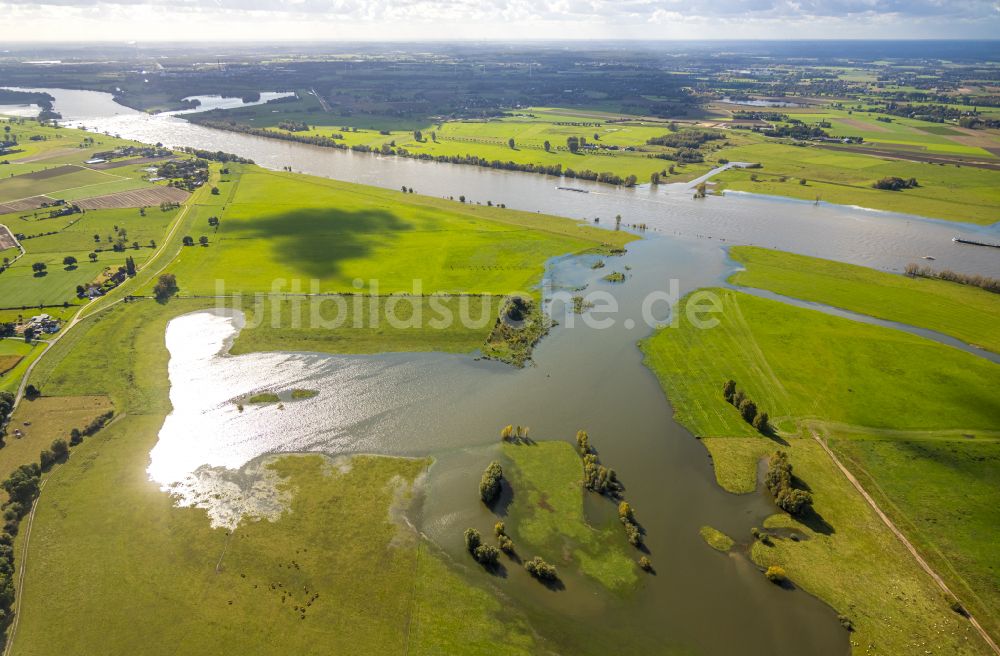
[962, 311]
[547, 517]
[489, 139]
[809, 369]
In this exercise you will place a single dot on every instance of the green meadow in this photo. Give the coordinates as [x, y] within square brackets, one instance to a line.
[343, 324]
[963, 311]
[963, 194]
[490, 138]
[815, 372]
[279, 228]
[15, 357]
[800, 364]
[547, 516]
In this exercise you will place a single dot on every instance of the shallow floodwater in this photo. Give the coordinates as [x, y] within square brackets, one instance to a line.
[878, 239]
[452, 406]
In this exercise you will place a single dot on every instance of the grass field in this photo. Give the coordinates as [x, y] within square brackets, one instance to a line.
[862, 570]
[849, 379]
[947, 515]
[43, 420]
[547, 515]
[963, 194]
[800, 364]
[11, 349]
[343, 325]
[968, 313]
[280, 228]
[380, 588]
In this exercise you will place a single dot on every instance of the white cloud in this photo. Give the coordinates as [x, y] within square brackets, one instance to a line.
[499, 19]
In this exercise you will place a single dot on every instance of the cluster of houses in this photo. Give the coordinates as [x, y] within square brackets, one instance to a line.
[42, 323]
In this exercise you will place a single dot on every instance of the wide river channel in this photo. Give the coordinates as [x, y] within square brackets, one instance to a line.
[452, 406]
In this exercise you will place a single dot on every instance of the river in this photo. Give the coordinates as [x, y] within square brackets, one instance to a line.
[883, 240]
[452, 406]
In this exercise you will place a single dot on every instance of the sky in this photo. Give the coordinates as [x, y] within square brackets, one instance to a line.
[389, 20]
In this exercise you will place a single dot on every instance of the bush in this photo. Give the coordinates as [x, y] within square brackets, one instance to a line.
[748, 409]
[633, 534]
[645, 564]
[472, 539]
[541, 570]
[489, 484]
[762, 423]
[625, 512]
[776, 574]
[166, 286]
[506, 544]
[500, 529]
[486, 554]
[779, 482]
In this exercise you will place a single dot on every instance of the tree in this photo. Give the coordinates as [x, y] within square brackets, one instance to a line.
[486, 555]
[69, 261]
[748, 409]
[510, 142]
[129, 266]
[215, 191]
[547, 146]
[188, 240]
[645, 564]
[776, 574]
[92, 256]
[489, 485]
[461, 199]
[728, 390]
[39, 267]
[472, 539]
[762, 423]
[541, 570]
[60, 449]
[573, 143]
[203, 240]
[165, 286]
[418, 135]
[654, 178]
[794, 501]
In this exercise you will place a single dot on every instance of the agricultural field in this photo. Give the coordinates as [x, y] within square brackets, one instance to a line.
[815, 372]
[15, 357]
[963, 311]
[963, 194]
[283, 227]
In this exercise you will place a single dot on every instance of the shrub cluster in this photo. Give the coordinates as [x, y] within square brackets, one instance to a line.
[748, 409]
[632, 530]
[892, 183]
[541, 570]
[596, 477]
[503, 540]
[983, 282]
[489, 485]
[779, 481]
[484, 554]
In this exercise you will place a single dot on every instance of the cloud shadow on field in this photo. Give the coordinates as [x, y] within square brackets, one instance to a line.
[317, 241]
